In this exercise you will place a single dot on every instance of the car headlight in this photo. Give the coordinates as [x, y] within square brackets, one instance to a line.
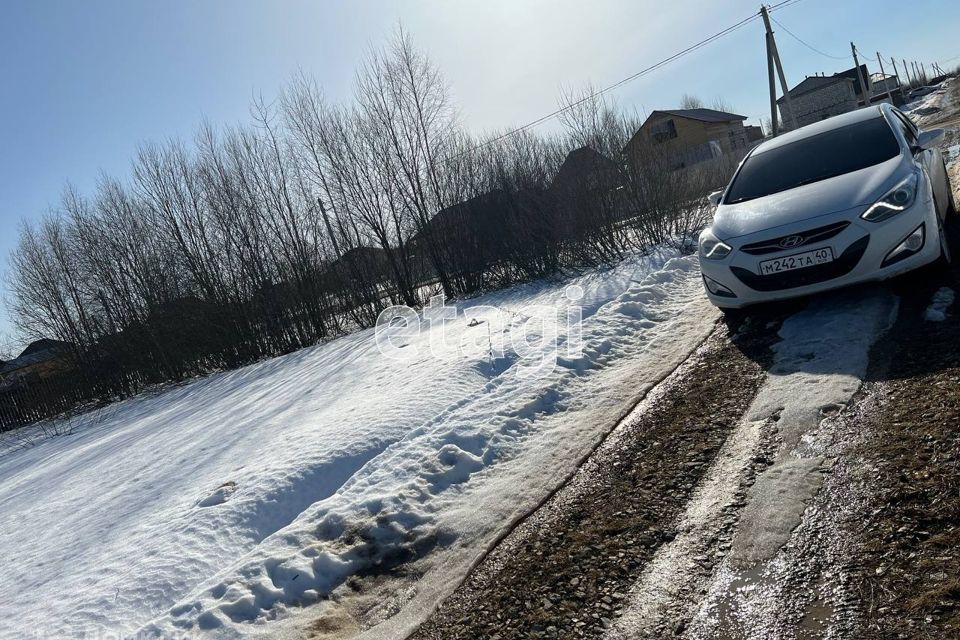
[896, 200]
[712, 248]
[910, 245]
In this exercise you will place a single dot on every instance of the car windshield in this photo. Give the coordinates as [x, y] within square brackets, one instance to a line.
[825, 155]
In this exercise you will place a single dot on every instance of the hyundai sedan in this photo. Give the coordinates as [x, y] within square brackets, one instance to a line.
[859, 197]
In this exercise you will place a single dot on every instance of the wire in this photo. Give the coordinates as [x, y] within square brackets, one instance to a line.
[808, 46]
[867, 56]
[783, 4]
[620, 83]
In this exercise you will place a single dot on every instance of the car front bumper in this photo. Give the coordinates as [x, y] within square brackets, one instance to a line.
[859, 251]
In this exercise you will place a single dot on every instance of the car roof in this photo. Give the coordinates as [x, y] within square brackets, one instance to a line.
[842, 120]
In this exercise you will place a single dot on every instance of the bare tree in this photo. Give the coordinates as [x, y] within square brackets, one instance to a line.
[256, 240]
[689, 101]
[405, 102]
[721, 104]
[7, 347]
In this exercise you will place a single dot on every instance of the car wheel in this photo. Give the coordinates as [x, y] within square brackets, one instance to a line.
[951, 199]
[952, 203]
[734, 317]
[948, 238]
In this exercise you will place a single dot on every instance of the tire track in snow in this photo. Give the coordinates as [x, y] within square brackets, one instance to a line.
[818, 366]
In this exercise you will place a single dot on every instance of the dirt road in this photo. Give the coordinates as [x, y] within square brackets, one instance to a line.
[796, 478]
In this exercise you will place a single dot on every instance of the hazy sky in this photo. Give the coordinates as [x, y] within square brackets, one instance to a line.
[83, 83]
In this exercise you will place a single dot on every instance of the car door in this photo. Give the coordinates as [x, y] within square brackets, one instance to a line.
[930, 159]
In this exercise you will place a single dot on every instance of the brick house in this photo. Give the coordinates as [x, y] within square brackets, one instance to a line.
[884, 83]
[689, 136]
[818, 98]
[854, 74]
[754, 133]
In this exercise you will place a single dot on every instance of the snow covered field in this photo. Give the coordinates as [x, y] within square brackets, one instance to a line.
[219, 508]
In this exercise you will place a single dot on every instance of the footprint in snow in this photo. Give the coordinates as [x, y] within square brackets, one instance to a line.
[221, 495]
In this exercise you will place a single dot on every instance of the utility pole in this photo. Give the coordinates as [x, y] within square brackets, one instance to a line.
[883, 74]
[897, 73]
[773, 60]
[863, 81]
[774, 125]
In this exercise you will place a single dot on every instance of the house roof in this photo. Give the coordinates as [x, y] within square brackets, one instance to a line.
[813, 83]
[581, 163]
[44, 344]
[703, 115]
[358, 255]
[854, 74]
[36, 352]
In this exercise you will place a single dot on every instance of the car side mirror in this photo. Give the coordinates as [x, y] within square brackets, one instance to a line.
[715, 197]
[929, 139]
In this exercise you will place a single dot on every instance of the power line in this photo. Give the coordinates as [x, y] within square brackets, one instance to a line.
[782, 5]
[868, 56]
[716, 36]
[808, 46]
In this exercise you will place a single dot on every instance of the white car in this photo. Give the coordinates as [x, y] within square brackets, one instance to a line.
[858, 197]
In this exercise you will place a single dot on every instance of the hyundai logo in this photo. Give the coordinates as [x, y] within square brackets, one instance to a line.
[791, 241]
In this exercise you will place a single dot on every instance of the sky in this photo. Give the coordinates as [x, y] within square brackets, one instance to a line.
[84, 83]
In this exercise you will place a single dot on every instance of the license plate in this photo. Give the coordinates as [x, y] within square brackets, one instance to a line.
[797, 261]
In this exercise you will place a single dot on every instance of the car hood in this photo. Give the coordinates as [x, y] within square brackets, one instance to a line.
[847, 191]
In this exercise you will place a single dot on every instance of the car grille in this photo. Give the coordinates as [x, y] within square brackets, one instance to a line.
[807, 237]
[803, 277]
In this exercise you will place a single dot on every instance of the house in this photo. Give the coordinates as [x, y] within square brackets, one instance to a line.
[818, 98]
[369, 264]
[476, 226]
[885, 84]
[586, 169]
[821, 97]
[41, 359]
[754, 133]
[854, 73]
[685, 137]
[472, 235]
[588, 191]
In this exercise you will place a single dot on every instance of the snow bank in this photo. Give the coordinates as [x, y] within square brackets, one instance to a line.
[937, 311]
[217, 506]
[931, 106]
[442, 493]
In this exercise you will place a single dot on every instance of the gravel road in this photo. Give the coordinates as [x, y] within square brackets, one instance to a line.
[775, 486]
[566, 570]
